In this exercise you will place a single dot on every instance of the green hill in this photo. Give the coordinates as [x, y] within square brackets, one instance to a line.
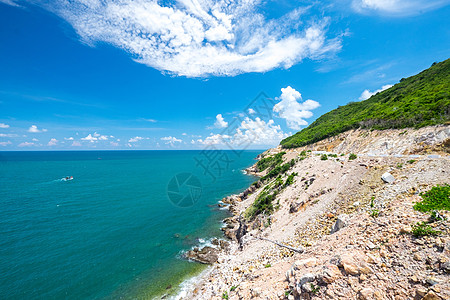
[417, 101]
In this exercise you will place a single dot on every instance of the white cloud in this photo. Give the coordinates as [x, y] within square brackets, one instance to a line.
[90, 138]
[5, 143]
[171, 140]
[26, 144]
[250, 132]
[150, 120]
[3, 125]
[366, 94]
[8, 135]
[103, 138]
[35, 140]
[397, 7]
[251, 111]
[96, 134]
[184, 133]
[199, 38]
[69, 139]
[220, 122]
[52, 142]
[9, 2]
[114, 144]
[135, 139]
[34, 129]
[76, 144]
[291, 110]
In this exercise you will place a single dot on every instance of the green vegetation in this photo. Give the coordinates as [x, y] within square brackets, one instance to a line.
[423, 229]
[323, 157]
[352, 156]
[270, 161]
[411, 161]
[417, 101]
[267, 266]
[225, 295]
[279, 169]
[438, 198]
[399, 166]
[333, 155]
[374, 213]
[233, 288]
[315, 288]
[290, 179]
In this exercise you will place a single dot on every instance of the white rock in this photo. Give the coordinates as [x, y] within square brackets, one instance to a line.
[387, 177]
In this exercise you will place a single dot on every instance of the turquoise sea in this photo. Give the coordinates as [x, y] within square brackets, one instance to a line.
[111, 232]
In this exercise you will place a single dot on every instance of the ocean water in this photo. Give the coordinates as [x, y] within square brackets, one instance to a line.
[118, 228]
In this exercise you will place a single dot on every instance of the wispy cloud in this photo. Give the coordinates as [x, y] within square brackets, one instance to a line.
[199, 38]
[5, 143]
[398, 8]
[26, 144]
[3, 125]
[8, 135]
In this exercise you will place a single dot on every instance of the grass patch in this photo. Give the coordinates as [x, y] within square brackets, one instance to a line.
[352, 156]
[323, 157]
[438, 198]
[267, 265]
[411, 161]
[423, 229]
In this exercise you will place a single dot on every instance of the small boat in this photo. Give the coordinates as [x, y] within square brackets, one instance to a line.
[67, 178]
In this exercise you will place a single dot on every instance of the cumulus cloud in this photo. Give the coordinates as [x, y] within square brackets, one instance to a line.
[35, 129]
[199, 38]
[251, 111]
[114, 144]
[171, 140]
[90, 138]
[250, 132]
[5, 143]
[52, 142]
[135, 139]
[69, 139]
[26, 144]
[102, 138]
[366, 94]
[220, 122]
[76, 144]
[35, 140]
[291, 110]
[3, 125]
[397, 7]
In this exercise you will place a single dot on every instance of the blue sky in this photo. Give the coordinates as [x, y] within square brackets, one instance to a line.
[179, 74]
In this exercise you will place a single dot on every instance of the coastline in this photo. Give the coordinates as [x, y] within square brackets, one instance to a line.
[237, 270]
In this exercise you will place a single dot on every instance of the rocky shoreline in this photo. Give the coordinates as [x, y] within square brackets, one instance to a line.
[354, 227]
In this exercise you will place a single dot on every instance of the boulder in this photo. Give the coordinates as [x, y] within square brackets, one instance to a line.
[387, 177]
[340, 223]
[330, 273]
[207, 255]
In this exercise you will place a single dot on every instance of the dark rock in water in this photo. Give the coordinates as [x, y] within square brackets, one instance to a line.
[207, 255]
[224, 245]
